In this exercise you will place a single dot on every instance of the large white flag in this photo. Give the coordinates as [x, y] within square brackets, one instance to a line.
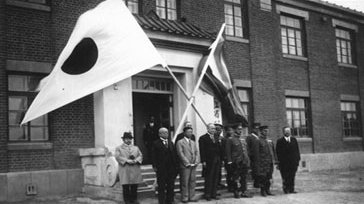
[106, 46]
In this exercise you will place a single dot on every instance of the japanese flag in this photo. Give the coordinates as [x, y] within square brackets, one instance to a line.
[106, 46]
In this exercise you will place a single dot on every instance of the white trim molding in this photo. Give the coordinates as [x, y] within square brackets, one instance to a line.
[292, 11]
[348, 97]
[298, 93]
[344, 24]
[242, 83]
[29, 66]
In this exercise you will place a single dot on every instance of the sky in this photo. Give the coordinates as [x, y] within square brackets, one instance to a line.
[353, 4]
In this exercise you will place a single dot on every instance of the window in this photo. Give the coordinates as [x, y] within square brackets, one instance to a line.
[21, 94]
[167, 9]
[244, 95]
[344, 46]
[233, 18]
[292, 35]
[266, 5]
[350, 119]
[298, 116]
[133, 5]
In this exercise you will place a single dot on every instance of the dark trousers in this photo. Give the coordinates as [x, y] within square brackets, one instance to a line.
[264, 182]
[165, 182]
[239, 173]
[229, 174]
[211, 177]
[130, 193]
[288, 176]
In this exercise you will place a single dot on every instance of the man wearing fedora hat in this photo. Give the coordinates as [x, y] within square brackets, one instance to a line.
[129, 158]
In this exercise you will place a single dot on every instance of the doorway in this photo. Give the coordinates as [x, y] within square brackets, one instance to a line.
[145, 106]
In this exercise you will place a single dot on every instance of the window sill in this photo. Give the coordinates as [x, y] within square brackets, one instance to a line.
[237, 39]
[304, 139]
[348, 65]
[29, 145]
[352, 139]
[295, 57]
[29, 5]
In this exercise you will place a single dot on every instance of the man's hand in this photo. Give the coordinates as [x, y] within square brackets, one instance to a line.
[204, 164]
[229, 163]
[277, 167]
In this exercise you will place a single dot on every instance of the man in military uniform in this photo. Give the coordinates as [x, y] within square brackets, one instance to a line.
[252, 141]
[238, 161]
[265, 160]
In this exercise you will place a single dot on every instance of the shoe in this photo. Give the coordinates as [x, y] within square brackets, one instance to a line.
[218, 194]
[215, 198]
[207, 198]
[236, 194]
[294, 192]
[285, 191]
[193, 200]
[184, 201]
[262, 192]
[246, 195]
[269, 193]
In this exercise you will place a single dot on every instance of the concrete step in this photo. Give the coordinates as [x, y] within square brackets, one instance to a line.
[149, 178]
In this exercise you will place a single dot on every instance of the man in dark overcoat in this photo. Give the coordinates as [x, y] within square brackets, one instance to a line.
[288, 154]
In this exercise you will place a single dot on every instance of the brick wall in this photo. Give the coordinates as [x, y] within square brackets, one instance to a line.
[40, 36]
[30, 160]
[268, 94]
[28, 34]
[3, 91]
[72, 128]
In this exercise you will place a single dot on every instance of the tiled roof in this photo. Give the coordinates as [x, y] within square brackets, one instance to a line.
[336, 6]
[172, 27]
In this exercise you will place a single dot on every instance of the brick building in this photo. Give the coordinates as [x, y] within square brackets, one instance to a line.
[294, 62]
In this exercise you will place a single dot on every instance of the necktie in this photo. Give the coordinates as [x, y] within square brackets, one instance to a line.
[165, 144]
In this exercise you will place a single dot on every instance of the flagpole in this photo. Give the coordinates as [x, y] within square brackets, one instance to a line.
[204, 69]
[184, 93]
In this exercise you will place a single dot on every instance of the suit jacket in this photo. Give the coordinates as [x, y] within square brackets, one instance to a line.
[187, 152]
[164, 159]
[288, 153]
[129, 173]
[237, 150]
[181, 136]
[208, 149]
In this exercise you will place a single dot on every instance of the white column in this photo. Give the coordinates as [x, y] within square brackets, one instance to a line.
[113, 113]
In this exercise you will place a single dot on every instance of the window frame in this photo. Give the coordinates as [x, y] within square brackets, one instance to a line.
[350, 41]
[249, 104]
[358, 115]
[242, 16]
[138, 6]
[308, 119]
[166, 8]
[302, 31]
[30, 97]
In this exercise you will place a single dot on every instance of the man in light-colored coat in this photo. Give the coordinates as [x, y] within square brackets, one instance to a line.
[129, 158]
[189, 159]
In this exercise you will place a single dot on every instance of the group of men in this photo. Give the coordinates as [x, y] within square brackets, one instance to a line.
[254, 154]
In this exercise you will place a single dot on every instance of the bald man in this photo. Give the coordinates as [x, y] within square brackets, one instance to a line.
[211, 154]
[165, 164]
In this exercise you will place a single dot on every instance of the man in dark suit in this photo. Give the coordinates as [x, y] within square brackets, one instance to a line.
[252, 141]
[210, 152]
[165, 164]
[288, 154]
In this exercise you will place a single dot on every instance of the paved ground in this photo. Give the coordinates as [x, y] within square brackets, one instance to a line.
[328, 187]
